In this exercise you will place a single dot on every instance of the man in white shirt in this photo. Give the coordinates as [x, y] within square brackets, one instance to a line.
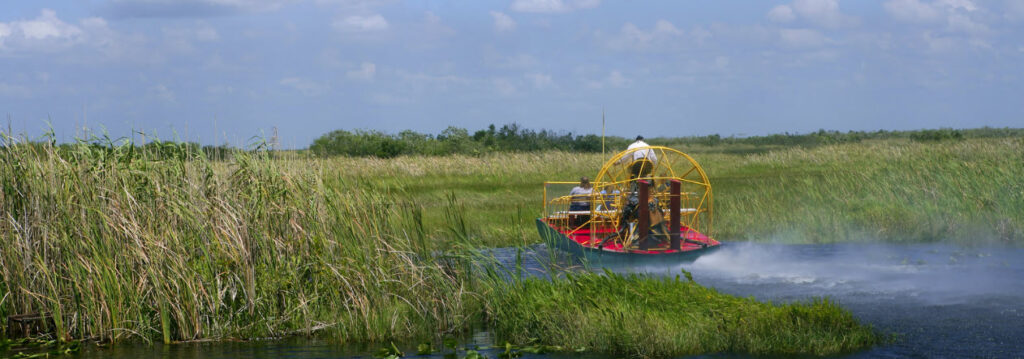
[581, 195]
[580, 202]
[642, 160]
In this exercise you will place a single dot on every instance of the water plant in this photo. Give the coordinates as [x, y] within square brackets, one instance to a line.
[117, 243]
[665, 317]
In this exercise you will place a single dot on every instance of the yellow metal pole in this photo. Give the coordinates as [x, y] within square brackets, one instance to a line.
[545, 199]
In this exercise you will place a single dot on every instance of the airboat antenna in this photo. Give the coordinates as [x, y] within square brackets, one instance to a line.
[602, 131]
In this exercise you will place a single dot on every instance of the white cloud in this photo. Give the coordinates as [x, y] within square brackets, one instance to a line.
[160, 91]
[504, 87]
[699, 34]
[181, 39]
[390, 100]
[14, 90]
[427, 34]
[540, 81]
[632, 37]
[46, 30]
[357, 23]
[665, 27]
[94, 23]
[963, 23]
[616, 79]
[48, 33]
[503, 22]
[492, 57]
[305, 86]
[802, 37]
[960, 16]
[431, 17]
[941, 43]
[518, 61]
[207, 33]
[781, 13]
[1015, 10]
[613, 79]
[428, 82]
[912, 11]
[5, 31]
[220, 89]
[435, 26]
[966, 5]
[823, 13]
[722, 62]
[553, 6]
[188, 8]
[365, 72]
[47, 25]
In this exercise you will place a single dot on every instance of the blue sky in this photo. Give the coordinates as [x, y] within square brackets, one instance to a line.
[218, 71]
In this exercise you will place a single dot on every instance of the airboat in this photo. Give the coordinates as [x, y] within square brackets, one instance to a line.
[651, 206]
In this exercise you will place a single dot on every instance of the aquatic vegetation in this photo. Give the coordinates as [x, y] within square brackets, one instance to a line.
[117, 244]
[643, 316]
[891, 190]
[38, 347]
[965, 191]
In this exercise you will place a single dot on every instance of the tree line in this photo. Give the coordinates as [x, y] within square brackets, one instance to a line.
[514, 138]
[507, 138]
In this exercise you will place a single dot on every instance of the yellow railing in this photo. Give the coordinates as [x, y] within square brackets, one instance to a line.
[617, 181]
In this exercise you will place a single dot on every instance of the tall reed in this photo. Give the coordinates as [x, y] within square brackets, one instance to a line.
[116, 243]
[967, 192]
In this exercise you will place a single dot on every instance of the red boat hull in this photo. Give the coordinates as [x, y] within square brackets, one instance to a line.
[583, 242]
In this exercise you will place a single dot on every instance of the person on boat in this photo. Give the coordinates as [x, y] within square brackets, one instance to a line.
[580, 195]
[641, 161]
[580, 202]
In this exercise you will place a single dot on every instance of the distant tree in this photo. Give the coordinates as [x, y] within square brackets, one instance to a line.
[942, 134]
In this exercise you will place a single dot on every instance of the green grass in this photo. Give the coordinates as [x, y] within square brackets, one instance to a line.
[966, 192]
[119, 244]
[667, 317]
[891, 190]
[187, 249]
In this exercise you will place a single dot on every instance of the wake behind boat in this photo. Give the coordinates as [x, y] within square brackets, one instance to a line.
[648, 203]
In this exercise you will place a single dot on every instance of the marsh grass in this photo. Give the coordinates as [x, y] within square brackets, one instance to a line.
[665, 317]
[891, 190]
[184, 249]
[966, 191]
[119, 244]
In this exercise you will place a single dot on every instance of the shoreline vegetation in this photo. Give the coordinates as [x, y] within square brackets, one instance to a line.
[513, 138]
[119, 242]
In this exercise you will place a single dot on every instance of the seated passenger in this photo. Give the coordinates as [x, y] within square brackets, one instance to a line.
[581, 195]
[580, 202]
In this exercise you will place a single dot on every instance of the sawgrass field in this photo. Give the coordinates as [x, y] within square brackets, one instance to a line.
[965, 191]
[113, 243]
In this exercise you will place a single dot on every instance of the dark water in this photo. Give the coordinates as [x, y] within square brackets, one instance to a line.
[941, 301]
